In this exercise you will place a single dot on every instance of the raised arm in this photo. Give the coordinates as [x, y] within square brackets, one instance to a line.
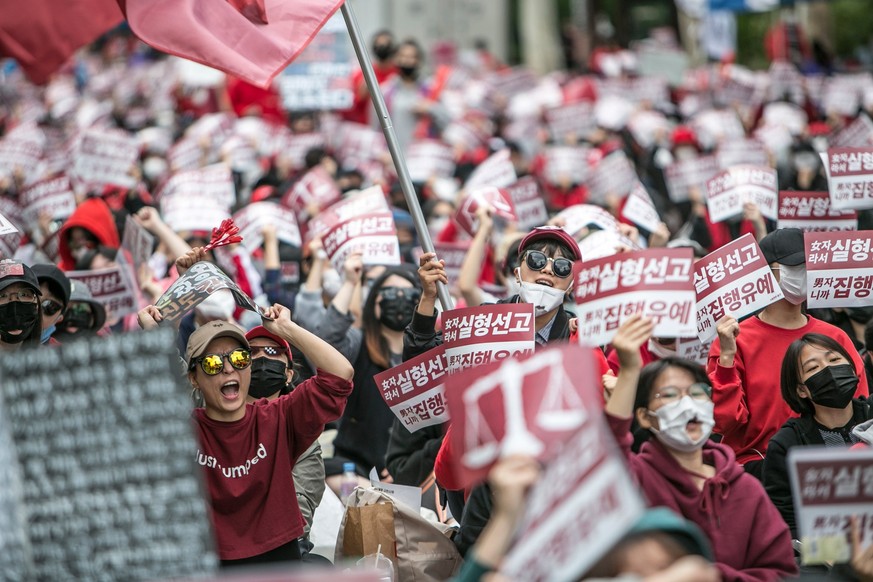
[633, 333]
[468, 278]
[150, 219]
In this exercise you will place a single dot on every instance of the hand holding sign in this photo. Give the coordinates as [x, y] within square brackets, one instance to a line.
[728, 329]
[189, 259]
[633, 333]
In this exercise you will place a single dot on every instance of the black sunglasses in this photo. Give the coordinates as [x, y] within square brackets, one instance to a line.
[537, 261]
[51, 308]
[390, 293]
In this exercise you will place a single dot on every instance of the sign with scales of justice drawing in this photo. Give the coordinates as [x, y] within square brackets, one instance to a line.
[528, 405]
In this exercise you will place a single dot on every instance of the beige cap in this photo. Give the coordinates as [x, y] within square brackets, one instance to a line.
[209, 331]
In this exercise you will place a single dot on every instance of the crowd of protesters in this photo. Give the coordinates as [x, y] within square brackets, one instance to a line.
[719, 434]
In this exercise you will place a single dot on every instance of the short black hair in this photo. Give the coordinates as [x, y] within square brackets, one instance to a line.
[652, 371]
[792, 376]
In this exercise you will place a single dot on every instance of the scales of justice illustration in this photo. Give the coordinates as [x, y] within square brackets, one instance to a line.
[560, 410]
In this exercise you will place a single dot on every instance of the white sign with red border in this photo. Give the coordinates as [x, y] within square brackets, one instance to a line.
[812, 212]
[839, 268]
[314, 192]
[498, 199]
[496, 171]
[252, 219]
[685, 175]
[574, 218]
[429, 159]
[478, 335]
[373, 235]
[639, 209]
[364, 202]
[106, 157]
[729, 190]
[415, 390]
[850, 177]
[53, 197]
[530, 207]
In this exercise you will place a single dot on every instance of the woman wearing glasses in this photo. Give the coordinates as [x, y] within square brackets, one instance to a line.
[683, 470]
[245, 449]
[20, 311]
[55, 287]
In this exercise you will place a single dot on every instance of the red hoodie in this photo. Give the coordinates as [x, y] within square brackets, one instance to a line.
[750, 540]
[94, 216]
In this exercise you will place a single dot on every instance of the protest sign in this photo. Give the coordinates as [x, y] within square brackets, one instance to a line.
[496, 171]
[354, 204]
[373, 235]
[579, 216]
[198, 283]
[104, 157]
[294, 147]
[414, 390]
[453, 254]
[728, 191]
[603, 243]
[52, 197]
[113, 287]
[527, 404]
[465, 135]
[530, 208]
[197, 199]
[839, 268]
[138, 241]
[585, 498]
[737, 152]
[478, 335]
[693, 349]
[359, 144]
[429, 159]
[857, 134]
[683, 176]
[613, 176]
[563, 165]
[497, 199]
[734, 279]
[850, 177]
[570, 122]
[312, 193]
[185, 154]
[252, 219]
[656, 283]
[103, 437]
[6, 226]
[812, 211]
[639, 209]
[10, 209]
[320, 76]
[647, 127]
[830, 486]
[21, 151]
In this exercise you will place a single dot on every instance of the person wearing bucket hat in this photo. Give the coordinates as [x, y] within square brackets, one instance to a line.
[248, 450]
[742, 361]
[55, 287]
[20, 311]
[83, 315]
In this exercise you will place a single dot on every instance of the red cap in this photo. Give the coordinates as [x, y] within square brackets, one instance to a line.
[683, 135]
[261, 331]
[554, 233]
[817, 128]
[261, 193]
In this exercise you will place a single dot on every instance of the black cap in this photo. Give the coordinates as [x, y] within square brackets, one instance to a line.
[784, 246]
[57, 281]
[12, 272]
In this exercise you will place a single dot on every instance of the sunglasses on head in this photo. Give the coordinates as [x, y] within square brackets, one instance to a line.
[537, 261]
[50, 307]
[213, 364]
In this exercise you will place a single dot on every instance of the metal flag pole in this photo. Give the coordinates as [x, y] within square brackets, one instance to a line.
[393, 146]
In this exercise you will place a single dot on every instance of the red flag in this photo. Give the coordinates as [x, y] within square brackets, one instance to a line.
[42, 34]
[220, 35]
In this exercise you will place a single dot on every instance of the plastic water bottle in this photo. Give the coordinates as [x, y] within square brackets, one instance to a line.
[349, 482]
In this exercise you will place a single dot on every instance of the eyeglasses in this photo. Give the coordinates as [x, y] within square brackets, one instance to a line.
[698, 391]
[213, 364]
[537, 261]
[391, 293]
[25, 296]
[51, 308]
[267, 351]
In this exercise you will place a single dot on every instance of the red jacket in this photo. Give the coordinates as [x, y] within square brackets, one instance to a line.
[749, 408]
[749, 538]
[94, 216]
[247, 464]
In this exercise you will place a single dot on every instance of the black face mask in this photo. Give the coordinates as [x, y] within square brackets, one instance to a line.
[833, 386]
[397, 308]
[17, 315]
[268, 377]
[408, 71]
[383, 51]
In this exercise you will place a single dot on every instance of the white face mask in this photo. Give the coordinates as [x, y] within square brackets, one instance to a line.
[656, 349]
[673, 417]
[545, 299]
[792, 281]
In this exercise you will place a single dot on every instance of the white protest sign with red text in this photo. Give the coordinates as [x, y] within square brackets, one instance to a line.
[105, 157]
[138, 241]
[830, 486]
[850, 177]
[613, 176]
[734, 279]
[566, 165]
[691, 348]
[738, 152]
[53, 197]
[316, 190]
[639, 209]
[584, 499]
[429, 159]
[684, 176]
[839, 268]
[574, 121]
[373, 235]
[857, 134]
[252, 219]
[197, 199]
[364, 202]
[453, 254]
[478, 335]
[502, 209]
[414, 390]
[496, 171]
[574, 218]
[728, 191]
[656, 283]
[812, 211]
[530, 208]
[112, 288]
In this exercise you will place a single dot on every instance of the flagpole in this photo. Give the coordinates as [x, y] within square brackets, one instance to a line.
[393, 145]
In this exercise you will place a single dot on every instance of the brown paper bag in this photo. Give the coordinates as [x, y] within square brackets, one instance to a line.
[368, 527]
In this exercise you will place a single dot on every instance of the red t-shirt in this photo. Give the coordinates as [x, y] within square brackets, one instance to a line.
[247, 464]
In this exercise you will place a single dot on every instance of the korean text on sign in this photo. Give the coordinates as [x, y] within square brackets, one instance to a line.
[656, 283]
[850, 177]
[478, 335]
[728, 191]
[373, 235]
[839, 268]
[414, 390]
[734, 279]
[812, 211]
